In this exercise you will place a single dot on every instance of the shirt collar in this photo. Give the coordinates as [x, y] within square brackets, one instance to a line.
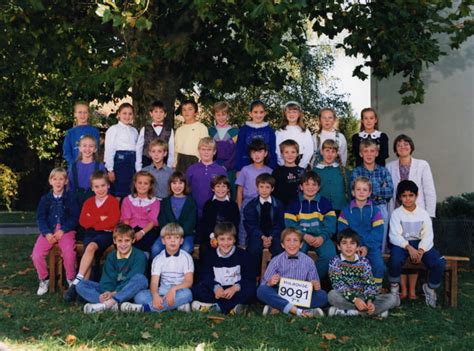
[175, 255]
[253, 125]
[353, 203]
[139, 202]
[356, 258]
[231, 252]
[374, 135]
[123, 124]
[323, 165]
[162, 166]
[57, 196]
[227, 198]
[262, 200]
[119, 256]
[288, 257]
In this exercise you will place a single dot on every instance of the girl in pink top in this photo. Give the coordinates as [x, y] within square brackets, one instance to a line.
[140, 210]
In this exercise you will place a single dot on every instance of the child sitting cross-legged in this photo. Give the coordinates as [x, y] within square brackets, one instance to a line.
[227, 278]
[122, 277]
[354, 289]
[295, 265]
[171, 277]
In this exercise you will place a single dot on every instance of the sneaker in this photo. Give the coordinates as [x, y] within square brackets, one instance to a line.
[395, 289]
[70, 294]
[69, 282]
[203, 307]
[94, 308]
[238, 309]
[312, 312]
[383, 314]
[430, 296]
[350, 313]
[184, 308]
[43, 287]
[332, 311]
[131, 307]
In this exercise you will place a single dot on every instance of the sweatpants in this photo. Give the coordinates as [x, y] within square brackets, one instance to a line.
[382, 302]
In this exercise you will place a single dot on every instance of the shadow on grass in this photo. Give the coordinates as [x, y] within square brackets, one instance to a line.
[31, 322]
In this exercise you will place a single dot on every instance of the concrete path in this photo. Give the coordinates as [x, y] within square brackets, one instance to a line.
[18, 228]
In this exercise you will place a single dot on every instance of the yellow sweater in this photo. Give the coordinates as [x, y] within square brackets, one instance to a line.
[186, 139]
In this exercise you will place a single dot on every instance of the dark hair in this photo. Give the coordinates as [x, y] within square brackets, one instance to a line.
[347, 233]
[224, 228]
[265, 178]
[220, 179]
[406, 138]
[256, 103]
[182, 178]
[157, 104]
[189, 102]
[257, 144]
[125, 105]
[310, 175]
[99, 175]
[123, 229]
[142, 173]
[289, 143]
[368, 109]
[406, 185]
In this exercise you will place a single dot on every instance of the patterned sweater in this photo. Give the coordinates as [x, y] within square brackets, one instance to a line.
[352, 279]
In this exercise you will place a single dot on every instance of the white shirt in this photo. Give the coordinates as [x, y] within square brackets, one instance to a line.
[141, 142]
[119, 137]
[340, 140]
[304, 140]
[172, 269]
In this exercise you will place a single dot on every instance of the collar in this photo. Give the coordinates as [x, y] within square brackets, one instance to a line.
[57, 196]
[409, 212]
[353, 203]
[162, 166]
[157, 125]
[227, 198]
[323, 165]
[315, 198]
[262, 200]
[209, 165]
[328, 132]
[176, 254]
[295, 257]
[343, 258]
[253, 125]
[123, 124]
[222, 127]
[374, 135]
[139, 202]
[231, 252]
[119, 256]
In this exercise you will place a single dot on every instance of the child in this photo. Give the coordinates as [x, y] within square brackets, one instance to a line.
[411, 235]
[171, 277]
[256, 129]
[264, 220]
[287, 177]
[187, 137]
[120, 154]
[217, 210]
[327, 121]
[369, 124]
[354, 290]
[292, 128]
[122, 277]
[153, 131]
[313, 215]
[225, 137]
[57, 216]
[140, 210]
[246, 186]
[179, 208]
[291, 264]
[200, 174]
[366, 220]
[334, 176]
[74, 135]
[80, 171]
[99, 216]
[382, 186]
[227, 279]
[157, 150]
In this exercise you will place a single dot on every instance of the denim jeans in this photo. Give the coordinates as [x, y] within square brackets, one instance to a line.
[158, 246]
[145, 298]
[269, 296]
[90, 291]
[383, 302]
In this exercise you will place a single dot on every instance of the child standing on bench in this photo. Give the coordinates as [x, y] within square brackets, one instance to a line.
[411, 235]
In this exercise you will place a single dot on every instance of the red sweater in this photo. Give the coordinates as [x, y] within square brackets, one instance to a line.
[90, 214]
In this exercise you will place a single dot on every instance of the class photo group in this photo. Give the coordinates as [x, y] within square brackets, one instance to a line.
[184, 219]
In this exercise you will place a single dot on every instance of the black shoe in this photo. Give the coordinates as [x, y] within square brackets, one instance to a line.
[70, 295]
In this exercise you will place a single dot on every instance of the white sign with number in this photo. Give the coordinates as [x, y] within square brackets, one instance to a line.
[296, 292]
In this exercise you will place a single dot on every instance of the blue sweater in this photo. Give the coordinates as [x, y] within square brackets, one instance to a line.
[252, 218]
[52, 211]
[71, 141]
[246, 134]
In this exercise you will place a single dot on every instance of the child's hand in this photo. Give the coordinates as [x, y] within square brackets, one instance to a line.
[273, 280]
[421, 252]
[230, 292]
[316, 285]
[58, 234]
[360, 304]
[318, 241]
[214, 243]
[413, 253]
[103, 218]
[267, 241]
[105, 296]
[111, 176]
[51, 239]
[219, 293]
[139, 235]
[309, 239]
[363, 251]
[157, 302]
[170, 296]
[370, 307]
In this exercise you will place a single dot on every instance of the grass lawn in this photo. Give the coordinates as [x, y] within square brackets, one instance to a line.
[17, 217]
[46, 323]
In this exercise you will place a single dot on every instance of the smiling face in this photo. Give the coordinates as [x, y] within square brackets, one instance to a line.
[100, 188]
[172, 243]
[327, 120]
[58, 181]
[225, 243]
[177, 187]
[361, 191]
[329, 155]
[369, 154]
[143, 185]
[87, 148]
[158, 115]
[123, 242]
[221, 117]
[125, 115]
[348, 248]
[257, 114]
[291, 244]
[289, 155]
[369, 121]
[292, 115]
[309, 188]
[81, 114]
[403, 148]
[221, 190]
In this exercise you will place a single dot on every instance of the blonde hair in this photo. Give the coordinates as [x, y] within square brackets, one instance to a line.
[291, 230]
[158, 142]
[90, 137]
[292, 105]
[320, 125]
[81, 103]
[362, 179]
[57, 170]
[123, 229]
[207, 141]
[172, 229]
[151, 190]
[220, 106]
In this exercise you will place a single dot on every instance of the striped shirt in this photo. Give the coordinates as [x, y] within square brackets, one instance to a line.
[301, 268]
[172, 269]
[382, 184]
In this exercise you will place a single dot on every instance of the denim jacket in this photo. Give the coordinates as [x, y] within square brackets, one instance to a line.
[51, 212]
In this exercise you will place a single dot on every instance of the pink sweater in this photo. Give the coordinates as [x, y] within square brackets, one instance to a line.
[139, 212]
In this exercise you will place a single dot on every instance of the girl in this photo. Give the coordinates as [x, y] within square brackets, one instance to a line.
[334, 176]
[74, 135]
[57, 217]
[80, 171]
[256, 129]
[327, 121]
[140, 210]
[369, 124]
[292, 127]
[179, 208]
[120, 140]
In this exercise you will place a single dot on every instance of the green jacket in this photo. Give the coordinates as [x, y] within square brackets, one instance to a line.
[187, 219]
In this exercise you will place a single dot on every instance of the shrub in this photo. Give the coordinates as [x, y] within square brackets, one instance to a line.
[461, 206]
[8, 186]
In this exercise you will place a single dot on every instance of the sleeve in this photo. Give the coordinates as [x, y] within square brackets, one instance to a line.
[329, 221]
[427, 236]
[251, 220]
[236, 217]
[271, 270]
[396, 230]
[280, 137]
[207, 272]
[370, 289]
[88, 218]
[68, 148]
[241, 177]
[171, 149]
[42, 216]
[113, 215]
[312, 272]
[110, 148]
[307, 148]
[342, 222]
[272, 162]
[189, 266]
[387, 190]
[429, 190]
[343, 148]
[355, 149]
[291, 216]
[176, 147]
[139, 264]
[108, 280]
[374, 240]
[241, 149]
[126, 213]
[189, 225]
[205, 225]
[354, 175]
[70, 180]
[383, 152]
[248, 271]
[338, 282]
[156, 266]
[154, 210]
[72, 214]
[139, 149]
[163, 218]
[278, 220]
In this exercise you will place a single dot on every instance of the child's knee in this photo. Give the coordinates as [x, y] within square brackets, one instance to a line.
[142, 297]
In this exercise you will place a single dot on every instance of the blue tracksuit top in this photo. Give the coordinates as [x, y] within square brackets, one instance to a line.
[72, 138]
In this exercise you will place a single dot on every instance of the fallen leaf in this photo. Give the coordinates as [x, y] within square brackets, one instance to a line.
[25, 329]
[216, 319]
[56, 332]
[157, 325]
[201, 347]
[324, 345]
[328, 336]
[344, 339]
[25, 271]
[7, 314]
[215, 335]
[146, 335]
[70, 339]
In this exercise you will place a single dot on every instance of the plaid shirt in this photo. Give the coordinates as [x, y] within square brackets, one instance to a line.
[382, 185]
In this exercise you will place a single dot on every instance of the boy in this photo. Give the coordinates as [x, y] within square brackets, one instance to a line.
[295, 265]
[216, 210]
[411, 235]
[171, 277]
[264, 220]
[382, 185]
[187, 137]
[288, 176]
[157, 150]
[122, 277]
[99, 216]
[313, 215]
[153, 131]
[200, 174]
[227, 279]
[354, 289]
[366, 220]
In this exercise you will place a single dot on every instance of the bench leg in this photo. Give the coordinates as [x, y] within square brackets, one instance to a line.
[266, 257]
[52, 270]
[447, 287]
[454, 285]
